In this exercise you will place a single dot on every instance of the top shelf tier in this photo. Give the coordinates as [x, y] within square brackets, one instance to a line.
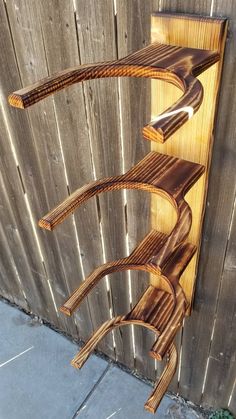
[175, 65]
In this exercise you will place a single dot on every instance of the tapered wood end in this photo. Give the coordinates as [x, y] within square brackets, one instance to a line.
[16, 101]
[75, 364]
[45, 224]
[65, 310]
[153, 134]
[150, 409]
[155, 355]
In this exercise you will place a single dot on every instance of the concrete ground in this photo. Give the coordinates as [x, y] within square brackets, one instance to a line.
[37, 381]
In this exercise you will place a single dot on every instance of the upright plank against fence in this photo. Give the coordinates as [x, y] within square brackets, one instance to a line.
[133, 33]
[60, 40]
[96, 34]
[14, 213]
[43, 155]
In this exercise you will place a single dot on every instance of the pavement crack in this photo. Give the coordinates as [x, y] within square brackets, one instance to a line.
[83, 404]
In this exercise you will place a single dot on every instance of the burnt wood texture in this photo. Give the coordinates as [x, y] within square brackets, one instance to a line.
[179, 66]
[163, 305]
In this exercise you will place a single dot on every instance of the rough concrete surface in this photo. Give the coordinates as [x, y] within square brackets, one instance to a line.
[37, 381]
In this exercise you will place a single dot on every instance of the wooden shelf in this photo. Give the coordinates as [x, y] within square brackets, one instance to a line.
[158, 310]
[175, 65]
[164, 175]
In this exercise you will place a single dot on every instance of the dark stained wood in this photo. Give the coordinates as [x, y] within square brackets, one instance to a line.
[158, 310]
[162, 384]
[140, 259]
[165, 175]
[179, 66]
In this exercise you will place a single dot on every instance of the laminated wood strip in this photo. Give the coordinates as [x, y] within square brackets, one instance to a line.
[164, 175]
[162, 384]
[146, 313]
[175, 65]
[140, 259]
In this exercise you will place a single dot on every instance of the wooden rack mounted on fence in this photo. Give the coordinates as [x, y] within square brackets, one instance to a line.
[164, 304]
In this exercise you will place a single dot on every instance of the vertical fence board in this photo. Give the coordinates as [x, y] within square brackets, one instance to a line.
[96, 33]
[42, 154]
[133, 33]
[62, 51]
[23, 250]
[198, 329]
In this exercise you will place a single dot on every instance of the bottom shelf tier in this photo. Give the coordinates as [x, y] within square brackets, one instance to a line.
[160, 309]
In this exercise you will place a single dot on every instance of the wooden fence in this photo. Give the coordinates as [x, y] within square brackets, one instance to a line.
[91, 131]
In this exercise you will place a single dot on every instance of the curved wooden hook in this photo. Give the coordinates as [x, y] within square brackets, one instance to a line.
[154, 316]
[175, 65]
[164, 175]
[162, 384]
[140, 259]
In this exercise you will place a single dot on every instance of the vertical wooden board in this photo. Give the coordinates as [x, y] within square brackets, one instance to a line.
[96, 34]
[32, 272]
[9, 284]
[220, 198]
[193, 140]
[202, 7]
[221, 372]
[40, 157]
[232, 403]
[133, 33]
[58, 22]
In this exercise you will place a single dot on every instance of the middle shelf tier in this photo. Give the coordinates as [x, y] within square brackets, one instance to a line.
[164, 175]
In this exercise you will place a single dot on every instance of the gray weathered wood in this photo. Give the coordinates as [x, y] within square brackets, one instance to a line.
[59, 28]
[96, 34]
[40, 158]
[198, 329]
[133, 33]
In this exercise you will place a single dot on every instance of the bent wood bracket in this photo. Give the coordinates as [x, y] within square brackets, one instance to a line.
[164, 175]
[158, 310]
[175, 65]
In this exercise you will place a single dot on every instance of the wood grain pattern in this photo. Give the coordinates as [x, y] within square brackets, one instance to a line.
[195, 32]
[162, 384]
[133, 33]
[153, 311]
[140, 259]
[175, 65]
[161, 174]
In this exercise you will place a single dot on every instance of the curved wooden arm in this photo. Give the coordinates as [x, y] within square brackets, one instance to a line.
[152, 316]
[164, 175]
[162, 384]
[174, 323]
[175, 65]
[140, 259]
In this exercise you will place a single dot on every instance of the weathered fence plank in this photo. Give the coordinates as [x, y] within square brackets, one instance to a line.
[62, 51]
[41, 157]
[133, 33]
[96, 34]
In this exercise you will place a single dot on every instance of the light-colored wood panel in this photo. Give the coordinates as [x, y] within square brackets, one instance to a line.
[193, 141]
